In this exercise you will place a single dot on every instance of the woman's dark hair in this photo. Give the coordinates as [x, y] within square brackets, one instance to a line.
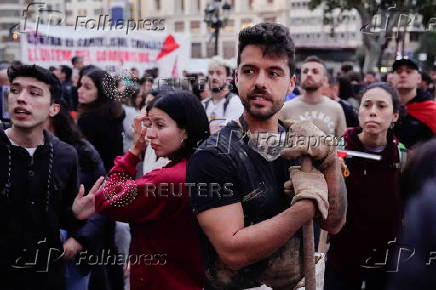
[87, 68]
[65, 128]
[39, 73]
[67, 71]
[106, 93]
[103, 81]
[130, 93]
[188, 113]
[274, 39]
[390, 90]
[420, 168]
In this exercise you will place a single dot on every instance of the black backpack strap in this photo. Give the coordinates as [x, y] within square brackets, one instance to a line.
[206, 104]
[228, 97]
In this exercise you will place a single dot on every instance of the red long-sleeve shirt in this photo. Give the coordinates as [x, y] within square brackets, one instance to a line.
[165, 252]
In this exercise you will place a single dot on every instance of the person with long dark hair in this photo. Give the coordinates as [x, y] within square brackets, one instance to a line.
[418, 267]
[93, 236]
[100, 117]
[374, 211]
[165, 251]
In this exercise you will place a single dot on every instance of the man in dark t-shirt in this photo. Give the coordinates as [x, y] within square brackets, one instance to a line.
[249, 227]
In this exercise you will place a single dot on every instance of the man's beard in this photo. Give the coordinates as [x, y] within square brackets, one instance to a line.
[311, 87]
[218, 89]
[276, 105]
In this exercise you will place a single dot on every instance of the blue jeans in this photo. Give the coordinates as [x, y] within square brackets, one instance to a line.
[74, 280]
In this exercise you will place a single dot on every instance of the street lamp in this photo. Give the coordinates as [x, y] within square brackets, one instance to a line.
[212, 18]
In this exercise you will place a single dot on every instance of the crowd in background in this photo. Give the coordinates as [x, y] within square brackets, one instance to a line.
[98, 110]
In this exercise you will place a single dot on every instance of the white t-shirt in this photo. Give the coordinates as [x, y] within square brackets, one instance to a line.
[30, 150]
[216, 111]
[151, 161]
[128, 133]
[327, 115]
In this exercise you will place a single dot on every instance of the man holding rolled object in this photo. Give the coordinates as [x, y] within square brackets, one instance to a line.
[251, 233]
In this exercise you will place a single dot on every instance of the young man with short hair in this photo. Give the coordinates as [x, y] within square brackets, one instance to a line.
[250, 232]
[38, 183]
[326, 114]
[419, 122]
[222, 106]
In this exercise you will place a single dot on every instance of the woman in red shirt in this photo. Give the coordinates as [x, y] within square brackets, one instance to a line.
[165, 252]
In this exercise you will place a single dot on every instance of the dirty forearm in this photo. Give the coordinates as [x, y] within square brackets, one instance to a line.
[337, 200]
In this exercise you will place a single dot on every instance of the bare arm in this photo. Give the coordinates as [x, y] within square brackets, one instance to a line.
[238, 246]
[337, 199]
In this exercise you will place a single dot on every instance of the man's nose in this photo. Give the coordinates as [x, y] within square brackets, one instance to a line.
[261, 80]
[22, 96]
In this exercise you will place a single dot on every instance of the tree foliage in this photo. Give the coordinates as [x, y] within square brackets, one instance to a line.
[376, 40]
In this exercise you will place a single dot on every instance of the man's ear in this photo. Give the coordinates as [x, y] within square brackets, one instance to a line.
[419, 78]
[54, 110]
[236, 77]
[291, 86]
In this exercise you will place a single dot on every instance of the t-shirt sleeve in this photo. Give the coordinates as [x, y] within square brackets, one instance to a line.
[212, 181]
[341, 126]
[234, 109]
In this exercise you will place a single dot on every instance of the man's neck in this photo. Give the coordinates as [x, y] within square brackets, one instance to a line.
[312, 97]
[30, 138]
[406, 95]
[261, 126]
[216, 97]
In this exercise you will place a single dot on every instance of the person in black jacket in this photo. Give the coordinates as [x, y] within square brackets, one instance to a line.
[416, 266]
[38, 184]
[90, 237]
[101, 122]
[100, 117]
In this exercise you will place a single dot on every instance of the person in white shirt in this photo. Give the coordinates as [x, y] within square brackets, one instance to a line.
[326, 114]
[222, 106]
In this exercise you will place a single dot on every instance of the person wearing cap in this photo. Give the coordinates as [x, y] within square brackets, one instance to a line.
[418, 123]
[222, 106]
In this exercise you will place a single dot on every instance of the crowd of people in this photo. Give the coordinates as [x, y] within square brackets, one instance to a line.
[121, 181]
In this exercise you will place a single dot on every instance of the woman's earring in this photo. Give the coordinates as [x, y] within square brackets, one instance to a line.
[181, 140]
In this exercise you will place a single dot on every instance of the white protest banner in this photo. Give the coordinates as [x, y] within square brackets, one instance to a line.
[112, 50]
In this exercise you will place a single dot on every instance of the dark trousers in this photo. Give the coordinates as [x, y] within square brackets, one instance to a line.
[27, 279]
[335, 280]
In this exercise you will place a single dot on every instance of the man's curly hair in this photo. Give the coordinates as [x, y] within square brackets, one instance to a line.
[274, 39]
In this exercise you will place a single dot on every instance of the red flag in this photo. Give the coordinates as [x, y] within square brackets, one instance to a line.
[174, 72]
[169, 45]
[424, 112]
